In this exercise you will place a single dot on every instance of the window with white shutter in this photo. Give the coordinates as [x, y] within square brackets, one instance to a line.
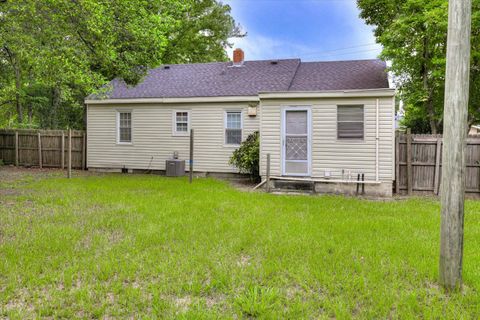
[350, 122]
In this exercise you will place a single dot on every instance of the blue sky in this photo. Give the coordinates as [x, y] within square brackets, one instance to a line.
[307, 29]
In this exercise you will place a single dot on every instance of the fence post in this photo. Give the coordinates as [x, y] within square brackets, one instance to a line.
[190, 177]
[62, 156]
[84, 147]
[397, 162]
[40, 164]
[409, 162]
[436, 182]
[268, 172]
[16, 148]
[69, 172]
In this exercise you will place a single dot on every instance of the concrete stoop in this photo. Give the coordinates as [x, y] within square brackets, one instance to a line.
[381, 190]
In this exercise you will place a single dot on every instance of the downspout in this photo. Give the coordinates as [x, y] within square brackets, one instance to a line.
[377, 138]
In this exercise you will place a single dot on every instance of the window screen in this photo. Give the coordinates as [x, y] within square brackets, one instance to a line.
[181, 122]
[233, 129]
[350, 122]
[125, 127]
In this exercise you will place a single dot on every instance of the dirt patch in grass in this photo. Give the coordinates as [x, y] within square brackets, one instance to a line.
[214, 300]
[183, 303]
[9, 192]
[12, 174]
[244, 261]
[20, 303]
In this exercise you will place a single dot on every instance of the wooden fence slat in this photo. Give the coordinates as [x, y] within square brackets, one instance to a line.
[39, 150]
[436, 185]
[409, 163]
[62, 156]
[69, 169]
[397, 162]
[84, 147]
[16, 149]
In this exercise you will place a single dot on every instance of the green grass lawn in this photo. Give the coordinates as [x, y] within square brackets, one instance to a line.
[140, 246]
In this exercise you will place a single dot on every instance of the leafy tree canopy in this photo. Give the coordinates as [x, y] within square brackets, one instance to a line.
[54, 52]
[414, 36]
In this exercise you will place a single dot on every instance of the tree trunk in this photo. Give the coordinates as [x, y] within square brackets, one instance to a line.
[30, 114]
[429, 106]
[431, 113]
[55, 107]
[18, 82]
[18, 96]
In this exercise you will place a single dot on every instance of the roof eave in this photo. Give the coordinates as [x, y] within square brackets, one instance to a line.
[379, 92]
[382, 92]
[174, 100]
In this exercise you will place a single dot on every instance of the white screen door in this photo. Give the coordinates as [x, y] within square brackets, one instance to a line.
[296, 142]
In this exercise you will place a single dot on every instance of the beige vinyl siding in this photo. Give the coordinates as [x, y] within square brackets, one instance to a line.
[328, 152]
[153, 141]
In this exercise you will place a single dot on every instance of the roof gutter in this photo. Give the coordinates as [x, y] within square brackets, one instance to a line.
[174, 100]
[262, 95]
[387, 92]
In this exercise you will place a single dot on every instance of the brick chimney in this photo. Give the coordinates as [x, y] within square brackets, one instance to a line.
[238, 56]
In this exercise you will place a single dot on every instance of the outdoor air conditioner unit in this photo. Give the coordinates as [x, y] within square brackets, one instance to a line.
[175, 168]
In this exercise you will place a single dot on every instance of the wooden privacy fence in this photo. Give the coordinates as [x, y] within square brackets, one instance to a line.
[42, 148]
[418, 163]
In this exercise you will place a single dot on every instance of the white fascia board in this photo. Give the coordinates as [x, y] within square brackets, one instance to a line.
[175, 100]
[328, 94]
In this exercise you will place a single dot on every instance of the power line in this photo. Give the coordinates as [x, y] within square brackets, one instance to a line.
[339, 49]
[352, 52]
[291, 1]
[336, 54]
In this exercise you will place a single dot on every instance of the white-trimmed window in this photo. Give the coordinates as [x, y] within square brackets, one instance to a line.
[233, 127]
[181, 122]
[124, 127]
[350, 122]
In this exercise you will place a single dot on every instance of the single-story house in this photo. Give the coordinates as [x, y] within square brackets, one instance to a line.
[325, 122]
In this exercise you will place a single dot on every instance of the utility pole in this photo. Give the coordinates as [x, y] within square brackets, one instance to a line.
[454, 135]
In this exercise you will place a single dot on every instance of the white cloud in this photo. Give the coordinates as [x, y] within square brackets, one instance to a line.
[355, 41]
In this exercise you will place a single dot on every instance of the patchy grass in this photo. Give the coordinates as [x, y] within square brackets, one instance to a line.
[138, 246]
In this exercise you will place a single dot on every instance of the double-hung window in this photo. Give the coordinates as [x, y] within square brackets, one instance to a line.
[233, 127]
[124, 127]
[181, 122]
[350, 122]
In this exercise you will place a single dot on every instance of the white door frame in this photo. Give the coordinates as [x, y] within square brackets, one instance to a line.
[309, 138]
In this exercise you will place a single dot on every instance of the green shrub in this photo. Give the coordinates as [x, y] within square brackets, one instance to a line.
[246, 158]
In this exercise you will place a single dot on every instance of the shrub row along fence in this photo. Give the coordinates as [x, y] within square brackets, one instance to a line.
[42, 148]
[418, 163]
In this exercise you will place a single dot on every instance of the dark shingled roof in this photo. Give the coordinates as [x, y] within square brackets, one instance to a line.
[224, 79]
[340, 75]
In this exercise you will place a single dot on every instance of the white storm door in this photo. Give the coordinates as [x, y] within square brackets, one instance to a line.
[296, 141]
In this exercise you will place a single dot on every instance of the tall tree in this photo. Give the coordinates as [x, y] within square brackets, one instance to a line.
[54, 52]
[413, 35]
[202, 34]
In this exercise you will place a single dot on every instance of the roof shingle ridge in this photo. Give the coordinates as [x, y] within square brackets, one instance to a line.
[294, 75]
[222, 62]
